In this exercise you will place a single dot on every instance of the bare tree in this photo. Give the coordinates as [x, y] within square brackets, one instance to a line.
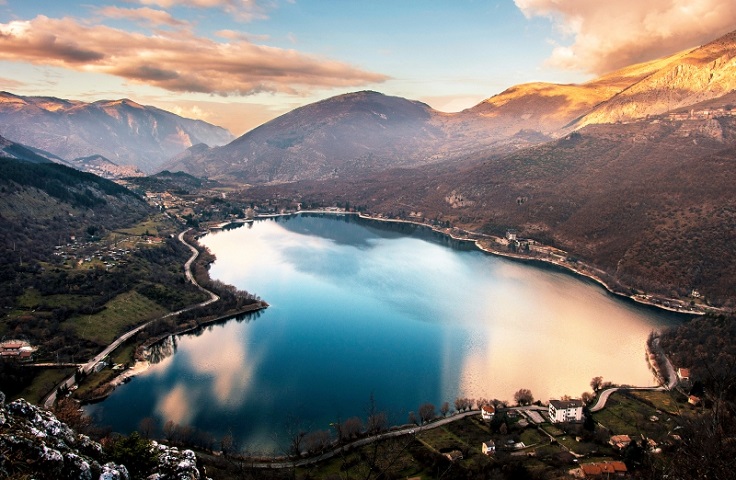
[147, 426]
[427, 412]
[170, 431]
[412, 418]
[445, 408]
[376, 421]
[462, 404]
[351, 427]
[68, 411]
[317, 442]
[596, 383]
[227, 444]
[523, 397]
[586, 397]
[295, 442]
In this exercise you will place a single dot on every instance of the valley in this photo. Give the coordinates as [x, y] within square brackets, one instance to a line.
[108, 209]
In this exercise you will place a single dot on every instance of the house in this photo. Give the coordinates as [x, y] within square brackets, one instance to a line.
[511, 235]
[565, 410]
[619, 441]
[487, 412]
[16, 350]
[693, 400]
[488, 448]
[683, 374]
[604, 469]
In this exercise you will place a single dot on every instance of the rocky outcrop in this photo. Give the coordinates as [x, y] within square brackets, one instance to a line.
[682, 80]
[35, 444]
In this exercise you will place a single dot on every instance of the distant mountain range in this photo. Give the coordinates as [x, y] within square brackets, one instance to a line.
[367, 132]
[122, 131]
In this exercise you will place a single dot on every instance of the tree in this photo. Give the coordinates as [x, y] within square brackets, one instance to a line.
[596, 383]
[427, 412]
[445, 408]
[351, 427]
[315, 442]
[68, 411]
[227, 444]
[586, 397]
[170, 430]
[135, 453]
[412, 418]
[377, 421]
[147, 427]
[523, 397]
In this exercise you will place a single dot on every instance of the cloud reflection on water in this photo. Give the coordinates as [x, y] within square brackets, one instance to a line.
[551, 333]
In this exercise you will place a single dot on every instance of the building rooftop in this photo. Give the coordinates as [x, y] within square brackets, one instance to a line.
[562, 404]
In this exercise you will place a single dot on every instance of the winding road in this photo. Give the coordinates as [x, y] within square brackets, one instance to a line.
[87, 367]
[671, 374]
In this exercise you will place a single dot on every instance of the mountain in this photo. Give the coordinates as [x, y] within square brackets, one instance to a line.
[353, 134]
[10, 149]
[43, 202]
[122, 131]
[366, 132]
[548, 108]
[344, 135]
[682, 80]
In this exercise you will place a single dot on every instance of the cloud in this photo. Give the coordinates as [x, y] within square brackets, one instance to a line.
[178, 61]
[143, 15]
[245, 10]
[616, 33]
[9, 83]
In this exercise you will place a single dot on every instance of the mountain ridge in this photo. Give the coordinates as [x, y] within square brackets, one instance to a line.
[362, 133]
[122, 131]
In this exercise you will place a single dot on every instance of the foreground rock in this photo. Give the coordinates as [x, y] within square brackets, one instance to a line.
[35, 444]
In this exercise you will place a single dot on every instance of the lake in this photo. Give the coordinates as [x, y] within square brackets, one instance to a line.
[362, 309]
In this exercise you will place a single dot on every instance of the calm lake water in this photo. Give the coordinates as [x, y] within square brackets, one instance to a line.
[361, 308]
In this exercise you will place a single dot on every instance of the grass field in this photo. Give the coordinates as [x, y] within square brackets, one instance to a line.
[664, 401]
[120, 314]
[44, 383]
[155, 225]
[32, 298]
[625, 415]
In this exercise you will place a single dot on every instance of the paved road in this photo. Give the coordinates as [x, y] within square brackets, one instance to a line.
[87, 367]
[413, 430]
[364, 441]
[603, 397]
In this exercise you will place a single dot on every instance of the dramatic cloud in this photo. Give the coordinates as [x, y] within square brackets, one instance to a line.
[145, 15]
[177, 61]
[616, 33]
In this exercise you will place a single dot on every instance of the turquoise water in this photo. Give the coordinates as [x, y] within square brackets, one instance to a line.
[361, 308]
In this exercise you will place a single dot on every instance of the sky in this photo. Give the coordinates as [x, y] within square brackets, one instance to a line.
[240, 63]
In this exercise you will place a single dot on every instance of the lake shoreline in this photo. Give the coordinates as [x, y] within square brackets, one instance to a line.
[275, 354]
[141, 364]
[581, 269]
